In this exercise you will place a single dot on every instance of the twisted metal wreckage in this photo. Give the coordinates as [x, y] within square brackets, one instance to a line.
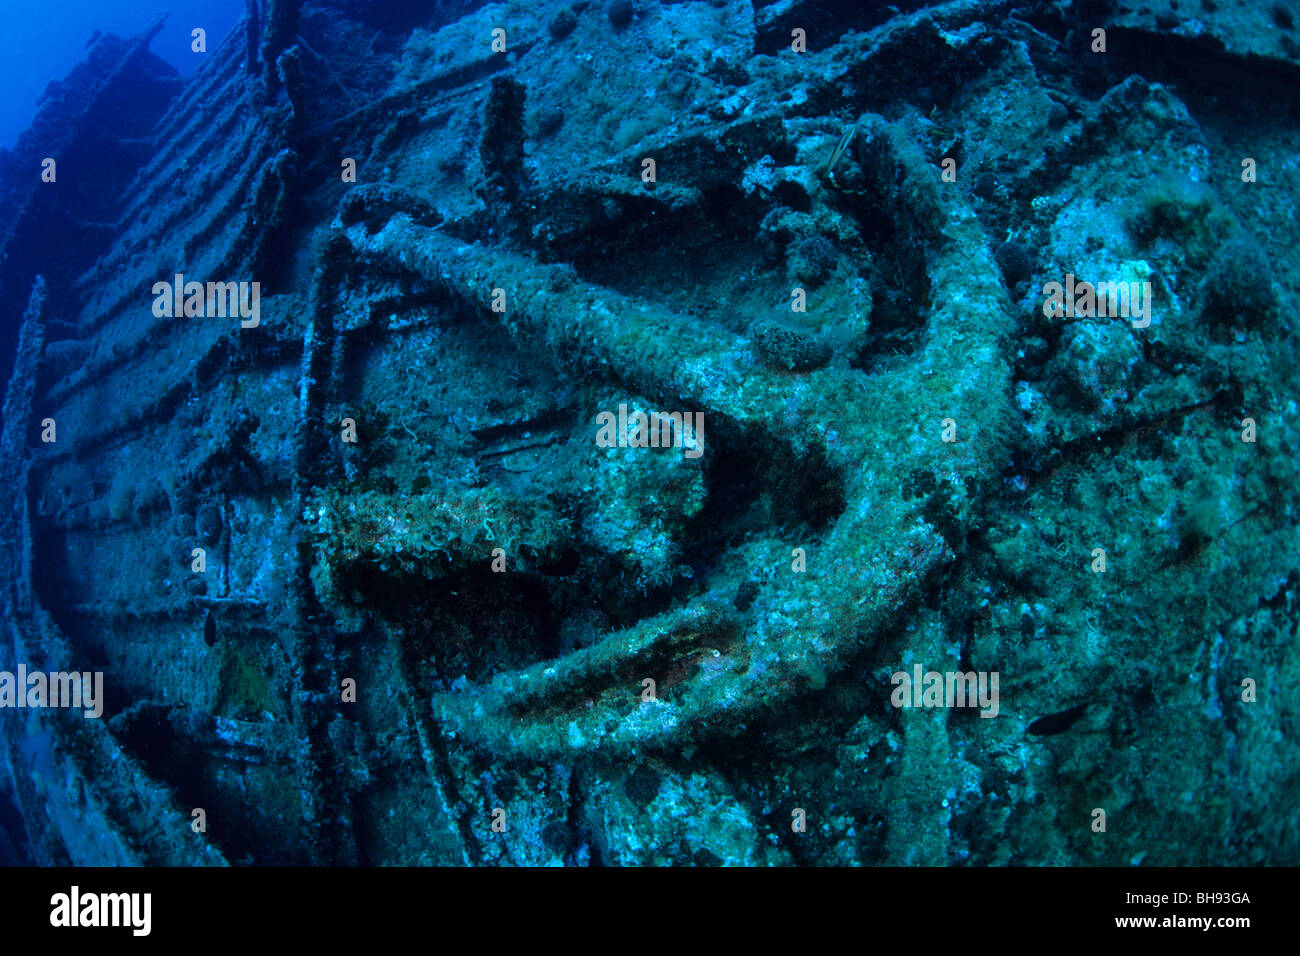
[830, 534]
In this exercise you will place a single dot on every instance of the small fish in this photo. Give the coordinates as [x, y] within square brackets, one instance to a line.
[845, 140]
[841, 148]
[1055, 723]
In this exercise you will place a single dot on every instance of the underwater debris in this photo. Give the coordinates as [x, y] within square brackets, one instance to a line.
[812, 260]
[562, 24]
[502, 146]
[784, 347]
[428, 534]
[374, 203]
[666, 648]
[1237, 288]
[1013, 260]
[620, 12]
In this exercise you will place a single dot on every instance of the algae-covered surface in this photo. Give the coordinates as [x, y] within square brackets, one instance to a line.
[694, 433]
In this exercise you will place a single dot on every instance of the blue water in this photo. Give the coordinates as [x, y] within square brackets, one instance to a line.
[42, 41]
